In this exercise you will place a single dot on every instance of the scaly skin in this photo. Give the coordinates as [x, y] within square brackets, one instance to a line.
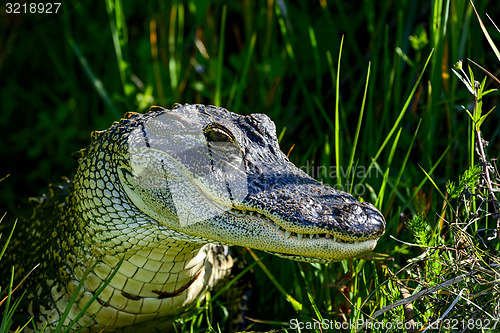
[160, 191]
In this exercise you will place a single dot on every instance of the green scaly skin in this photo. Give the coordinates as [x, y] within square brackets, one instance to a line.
[162, 191]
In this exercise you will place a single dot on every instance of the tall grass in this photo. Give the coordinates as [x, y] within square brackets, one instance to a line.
[362, 95]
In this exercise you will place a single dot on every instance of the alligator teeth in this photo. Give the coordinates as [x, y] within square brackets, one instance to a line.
[268, 222]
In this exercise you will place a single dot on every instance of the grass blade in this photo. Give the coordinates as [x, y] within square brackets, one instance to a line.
[485, 31]
[309, 295]
[96, 294]
[280, 14]
[98, 85]
[6, 318]
[75, 295]
[119, 34]
[297, 306]
[337, 117]
[487, 72]
[243, 80]
[405, 161]
[220, 59]
[400, 117]
[417, 189]
[435, 186]
[360, 120]
[380, 198]
[8, 238]
[20, 283]
[233, 280]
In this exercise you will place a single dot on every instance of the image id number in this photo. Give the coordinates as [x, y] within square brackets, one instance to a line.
[32, 8]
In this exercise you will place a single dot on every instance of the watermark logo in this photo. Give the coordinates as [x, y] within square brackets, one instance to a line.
[349, 173]
[335, 326]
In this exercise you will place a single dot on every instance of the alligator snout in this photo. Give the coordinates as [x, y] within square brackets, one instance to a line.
[304, 205]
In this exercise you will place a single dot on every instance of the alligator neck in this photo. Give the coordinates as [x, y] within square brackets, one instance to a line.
[159, 274]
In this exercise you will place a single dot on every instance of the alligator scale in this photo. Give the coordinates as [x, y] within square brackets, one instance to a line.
[160, 195]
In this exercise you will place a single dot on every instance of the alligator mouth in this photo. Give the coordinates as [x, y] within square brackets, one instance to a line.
[287, 234]
[266, 233]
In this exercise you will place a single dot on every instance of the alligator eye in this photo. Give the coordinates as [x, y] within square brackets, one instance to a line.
[216, 134]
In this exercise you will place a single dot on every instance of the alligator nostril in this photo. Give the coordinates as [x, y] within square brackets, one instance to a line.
[356, 209]
[375, 219]
[312, 209]
[311, 212]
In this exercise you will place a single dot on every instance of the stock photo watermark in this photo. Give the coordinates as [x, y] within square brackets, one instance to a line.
[355, 173]
[381, 326]
[328, 324]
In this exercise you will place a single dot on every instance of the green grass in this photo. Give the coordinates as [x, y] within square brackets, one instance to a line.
[363, 93]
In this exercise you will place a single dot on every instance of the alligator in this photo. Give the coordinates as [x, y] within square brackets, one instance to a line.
[145, 222]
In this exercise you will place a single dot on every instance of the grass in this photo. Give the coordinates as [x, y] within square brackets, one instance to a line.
[363, 97]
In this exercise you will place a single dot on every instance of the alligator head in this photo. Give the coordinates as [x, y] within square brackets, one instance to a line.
[216, 176]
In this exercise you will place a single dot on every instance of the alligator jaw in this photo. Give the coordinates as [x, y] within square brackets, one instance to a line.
[320, 246]
[287, 234]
